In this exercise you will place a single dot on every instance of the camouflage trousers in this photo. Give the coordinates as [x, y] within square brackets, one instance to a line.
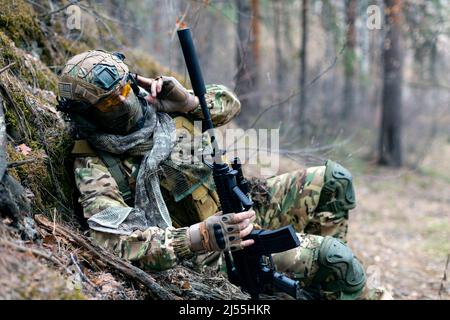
[292, 198]
[286, 199]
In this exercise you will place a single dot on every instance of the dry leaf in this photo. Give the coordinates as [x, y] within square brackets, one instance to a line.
[23, 149]
[186, 285]
[49, 239]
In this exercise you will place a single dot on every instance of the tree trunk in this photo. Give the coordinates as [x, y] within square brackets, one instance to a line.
[156, 29]
[13, 203]
[303, 62]
[390, 147]
[289, 50]
[349, 61]
[279, 61]
[247, 78]
[256, 32]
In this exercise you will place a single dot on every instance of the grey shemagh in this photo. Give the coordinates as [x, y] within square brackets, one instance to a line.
[154, 141]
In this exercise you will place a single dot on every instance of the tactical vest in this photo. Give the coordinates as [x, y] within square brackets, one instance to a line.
[198, 202]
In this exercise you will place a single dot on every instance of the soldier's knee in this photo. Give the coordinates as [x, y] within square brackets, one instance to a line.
[337, 195]
[339, 271]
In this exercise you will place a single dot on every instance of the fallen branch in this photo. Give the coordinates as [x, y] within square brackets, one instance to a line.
[80, 272]
[58, 9]
[444, 277]
[7, 67]
[20, 163]
[36, 252]
[122, 266]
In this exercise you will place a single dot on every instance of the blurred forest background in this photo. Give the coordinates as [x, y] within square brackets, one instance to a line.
[321, 71]
[365, 83]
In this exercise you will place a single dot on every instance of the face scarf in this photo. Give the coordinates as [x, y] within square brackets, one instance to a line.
[154, 141]
[116, 117]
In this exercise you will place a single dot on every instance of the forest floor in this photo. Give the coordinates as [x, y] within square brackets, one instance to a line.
[401, 226]
[400, 230]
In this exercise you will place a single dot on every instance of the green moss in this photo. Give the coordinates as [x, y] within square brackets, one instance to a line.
[10, 119]
[7, 52]
[71, 48]
[33, 43]
[46, 177]
[46, 79]
[55, 288]
[436, 175]
[436, 236]
[76, 294]
[22, 116]
[32, 72]
[19, 22]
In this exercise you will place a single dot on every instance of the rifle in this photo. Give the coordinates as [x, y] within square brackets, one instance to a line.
[251, 268]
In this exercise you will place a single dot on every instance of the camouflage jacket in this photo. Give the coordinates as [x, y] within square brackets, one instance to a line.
[154, 248]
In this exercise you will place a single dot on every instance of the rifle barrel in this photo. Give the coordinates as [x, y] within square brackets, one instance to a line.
[198, 85]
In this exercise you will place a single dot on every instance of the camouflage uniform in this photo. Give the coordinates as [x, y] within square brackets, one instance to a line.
[291, 198]
[315, 201]
[153, 248]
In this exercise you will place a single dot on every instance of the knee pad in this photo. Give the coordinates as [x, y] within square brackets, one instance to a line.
[337, 195]
[339, 271]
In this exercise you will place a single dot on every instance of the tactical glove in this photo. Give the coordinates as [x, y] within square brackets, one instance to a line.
[174, 97]
[221, 232]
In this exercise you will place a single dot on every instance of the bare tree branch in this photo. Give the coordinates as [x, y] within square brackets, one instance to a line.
[20, 163]
[114, 262]
[295, 93]
[7, 67]
[72, 2]
[444, 277]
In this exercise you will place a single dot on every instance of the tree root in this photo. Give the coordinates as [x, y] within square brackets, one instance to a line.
[109, 259]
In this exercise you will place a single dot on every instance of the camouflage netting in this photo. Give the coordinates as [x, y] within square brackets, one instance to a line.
[35, 168]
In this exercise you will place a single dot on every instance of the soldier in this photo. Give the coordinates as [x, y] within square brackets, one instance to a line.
[150, 208]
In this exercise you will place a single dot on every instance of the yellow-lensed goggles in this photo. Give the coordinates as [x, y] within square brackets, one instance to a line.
[109, 102]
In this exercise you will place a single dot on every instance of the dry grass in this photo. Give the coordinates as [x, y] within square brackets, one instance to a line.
[401, 227]
[54, 270]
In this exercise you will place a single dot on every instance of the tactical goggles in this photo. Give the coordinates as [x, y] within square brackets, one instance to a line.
[106, 101]
[106, 104]
[126, 84]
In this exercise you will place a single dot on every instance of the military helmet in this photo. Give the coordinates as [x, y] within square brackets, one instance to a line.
[96, 87]
[91, 76]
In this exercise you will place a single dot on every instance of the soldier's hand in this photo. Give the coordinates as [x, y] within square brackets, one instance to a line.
[222, 232]
[168, 95]
[153, 86]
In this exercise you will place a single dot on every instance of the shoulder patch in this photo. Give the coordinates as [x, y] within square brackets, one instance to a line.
[65, 90]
